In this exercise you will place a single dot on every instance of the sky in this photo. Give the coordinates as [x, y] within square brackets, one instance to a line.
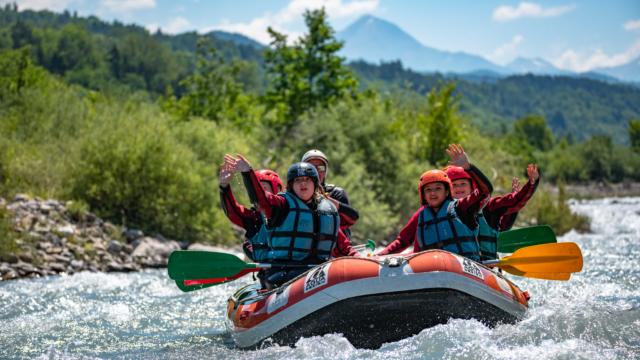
[572, 35]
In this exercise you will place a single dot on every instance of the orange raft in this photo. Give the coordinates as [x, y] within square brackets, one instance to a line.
[372, 301]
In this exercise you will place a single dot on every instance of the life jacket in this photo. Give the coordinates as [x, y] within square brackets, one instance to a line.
[260, 241]
[305, 235]
[487, 239]
[447, 232]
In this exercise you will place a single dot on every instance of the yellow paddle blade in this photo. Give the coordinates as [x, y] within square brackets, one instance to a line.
[545, 259]
[546, 276]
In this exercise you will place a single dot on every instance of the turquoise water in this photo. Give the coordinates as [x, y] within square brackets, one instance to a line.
[595, 315]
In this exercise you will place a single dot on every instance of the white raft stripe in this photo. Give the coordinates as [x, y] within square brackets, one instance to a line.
[372, 286]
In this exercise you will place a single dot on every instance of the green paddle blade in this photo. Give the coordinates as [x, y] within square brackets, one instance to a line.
[186, 264]
[512, 240]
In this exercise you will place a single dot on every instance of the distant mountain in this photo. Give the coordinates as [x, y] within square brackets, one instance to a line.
[374, 40]
[237, 38]
[535, 66]
[626, 72]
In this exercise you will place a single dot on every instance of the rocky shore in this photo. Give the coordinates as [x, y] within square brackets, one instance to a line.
[42, 237]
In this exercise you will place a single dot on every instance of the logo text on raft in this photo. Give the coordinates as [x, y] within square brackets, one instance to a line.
[470, 267]
[317, 277]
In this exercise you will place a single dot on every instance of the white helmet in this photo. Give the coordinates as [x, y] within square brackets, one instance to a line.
[316, 154]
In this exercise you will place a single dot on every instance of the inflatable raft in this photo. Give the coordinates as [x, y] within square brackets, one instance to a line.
[372, 301]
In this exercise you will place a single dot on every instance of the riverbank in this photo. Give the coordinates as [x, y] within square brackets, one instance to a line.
[600, 190]
[43, 237]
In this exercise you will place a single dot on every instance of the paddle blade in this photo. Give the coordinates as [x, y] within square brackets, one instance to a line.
[187, 285]
[187, 288]
[512, 240]
[545, 259]
[188, 264]
[545, 276]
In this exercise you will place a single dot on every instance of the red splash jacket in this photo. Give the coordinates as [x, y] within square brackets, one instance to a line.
[466, 209]
[501, 211]
[276, 208]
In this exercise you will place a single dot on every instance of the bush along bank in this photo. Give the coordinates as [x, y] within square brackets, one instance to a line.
[44, 237]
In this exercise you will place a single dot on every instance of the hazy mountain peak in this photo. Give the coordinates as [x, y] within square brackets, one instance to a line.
[373, 39]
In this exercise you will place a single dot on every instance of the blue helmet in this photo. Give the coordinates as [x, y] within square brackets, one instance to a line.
[302, 169]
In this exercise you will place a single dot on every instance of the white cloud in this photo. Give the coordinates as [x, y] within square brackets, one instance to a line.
[122, 6]
[632, 25]
[526, 9]
[574, 61]
[152, 28]
[257, 28]
[176, 26]
[506, 51]
[53, 5]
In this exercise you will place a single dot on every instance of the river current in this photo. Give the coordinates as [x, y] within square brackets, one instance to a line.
[595, 315]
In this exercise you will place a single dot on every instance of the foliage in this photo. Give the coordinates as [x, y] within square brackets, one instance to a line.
[134, 172]
[634, 135]
[308, 73]
[8, 236]
[443, 123]
[544, 208]
[534, 131]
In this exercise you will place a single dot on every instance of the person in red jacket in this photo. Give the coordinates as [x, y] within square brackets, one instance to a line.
[250, 219]
[303, 225]
[442, 222]
[500, 212]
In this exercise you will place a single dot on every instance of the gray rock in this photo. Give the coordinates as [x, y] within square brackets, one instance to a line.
[114, 247]
[25, 268]
[132, 234]
[54, 250]
[127, 248]
[27, 257]
[114, 266]
[149, 247]
[4, 268]
[66, 230]
[11, 275]
[10, 258]
[21, 198]
[58, 267]
[62, 259]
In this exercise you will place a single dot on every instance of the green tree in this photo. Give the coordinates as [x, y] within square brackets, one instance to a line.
[534, 130]
[211, 91]
[597, 155]
[442, 122]
[308, 73]
[634, 135]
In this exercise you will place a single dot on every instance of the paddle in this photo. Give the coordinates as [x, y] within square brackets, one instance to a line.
[512, 240]
[195, 265]
[546, 261]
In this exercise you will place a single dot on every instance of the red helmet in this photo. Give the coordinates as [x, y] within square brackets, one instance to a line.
[432, 176]
[271, 177]
[457, 173]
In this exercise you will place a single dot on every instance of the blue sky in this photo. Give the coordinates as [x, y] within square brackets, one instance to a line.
[573, 35]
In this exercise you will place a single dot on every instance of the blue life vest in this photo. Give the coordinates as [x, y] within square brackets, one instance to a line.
[447, 232]
[260, 241]
[305, 234]
[487, 238]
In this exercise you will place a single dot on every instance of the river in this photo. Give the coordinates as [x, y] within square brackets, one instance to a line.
[595, 315]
